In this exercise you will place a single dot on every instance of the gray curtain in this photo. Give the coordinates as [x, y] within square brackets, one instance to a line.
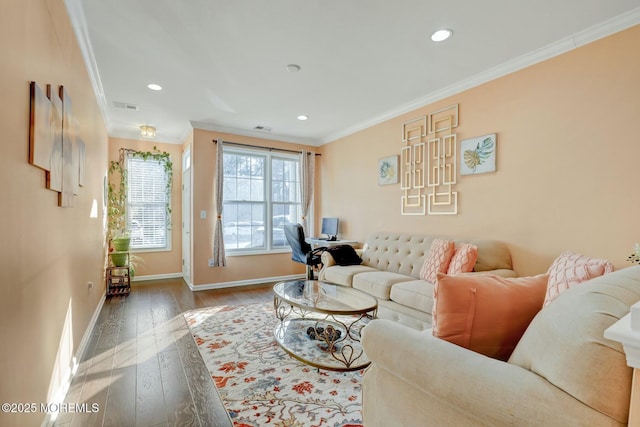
[219, 258]
[307, 172]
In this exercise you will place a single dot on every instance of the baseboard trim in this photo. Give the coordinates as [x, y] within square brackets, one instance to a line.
[157, 277]
[61, 393]
[247, 282]
[87, 333]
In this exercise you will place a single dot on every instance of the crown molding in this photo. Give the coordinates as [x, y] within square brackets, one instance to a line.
[254, 133]
[596, 32]
[79, 25]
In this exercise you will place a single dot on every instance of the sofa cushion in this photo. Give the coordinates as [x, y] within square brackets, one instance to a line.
[492, 255]
[378, 283]
[565, 342]
[485, 313]
[463, 259]
[571, 268]
[438, 259]
[343, 275]
[417, 294]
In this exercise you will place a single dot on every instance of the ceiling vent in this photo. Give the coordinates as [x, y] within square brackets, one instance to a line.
[262, 128]
[125, 106]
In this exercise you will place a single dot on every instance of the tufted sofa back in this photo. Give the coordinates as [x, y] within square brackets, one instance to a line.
[405, 253]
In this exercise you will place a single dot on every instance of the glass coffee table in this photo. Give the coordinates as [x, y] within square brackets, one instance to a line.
[320, 323]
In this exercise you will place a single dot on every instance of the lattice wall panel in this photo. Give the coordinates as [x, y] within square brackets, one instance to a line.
[442, 160]
[412, 159]
[429, 158]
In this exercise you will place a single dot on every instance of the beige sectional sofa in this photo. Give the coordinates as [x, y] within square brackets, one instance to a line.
[563, 372]
[390, 271]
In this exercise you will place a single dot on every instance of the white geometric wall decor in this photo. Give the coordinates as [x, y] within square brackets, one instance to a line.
[429, 161]
[412, 164]
[442, 162]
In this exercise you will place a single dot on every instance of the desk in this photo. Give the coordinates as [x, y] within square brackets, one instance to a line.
[319, 242]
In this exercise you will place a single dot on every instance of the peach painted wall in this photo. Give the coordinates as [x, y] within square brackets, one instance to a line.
[163, 262]
[48, 254]
[568, 147]
[239, 268]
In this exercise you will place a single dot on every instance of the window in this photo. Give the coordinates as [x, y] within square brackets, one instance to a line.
[147, 200]
[261, 194]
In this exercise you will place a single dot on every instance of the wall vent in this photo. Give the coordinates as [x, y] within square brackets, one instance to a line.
[125, 106]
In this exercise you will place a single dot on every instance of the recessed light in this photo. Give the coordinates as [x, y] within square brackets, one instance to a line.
[293, 68]
[302, 117]
[154, 86]
[441, 35]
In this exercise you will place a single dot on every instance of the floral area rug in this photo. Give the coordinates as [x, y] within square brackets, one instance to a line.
[262, 385]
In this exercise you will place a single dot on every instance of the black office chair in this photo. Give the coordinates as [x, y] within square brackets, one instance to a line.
[301, 251]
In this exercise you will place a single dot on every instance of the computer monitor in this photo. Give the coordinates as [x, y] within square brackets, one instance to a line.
[330, 227]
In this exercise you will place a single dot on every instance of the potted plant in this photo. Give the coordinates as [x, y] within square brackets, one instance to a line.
[122, 242]
[119, 259]
[119, 239]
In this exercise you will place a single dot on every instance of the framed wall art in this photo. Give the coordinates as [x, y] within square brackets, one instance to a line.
[478, 155]
[388, 170]
[41, 129]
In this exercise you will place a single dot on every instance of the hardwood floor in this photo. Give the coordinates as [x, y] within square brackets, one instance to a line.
[141, 366]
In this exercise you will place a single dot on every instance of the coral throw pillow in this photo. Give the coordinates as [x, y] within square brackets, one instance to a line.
[571, 268]
[438, 259]
[486, 313]
[464, 259]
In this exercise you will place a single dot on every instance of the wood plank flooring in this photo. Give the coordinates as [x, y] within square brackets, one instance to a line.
[141, 366]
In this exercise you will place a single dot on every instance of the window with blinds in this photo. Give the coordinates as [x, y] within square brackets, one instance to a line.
[146, 204]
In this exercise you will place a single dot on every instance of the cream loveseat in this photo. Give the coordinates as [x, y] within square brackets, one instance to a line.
[390, 271]
[563, 372]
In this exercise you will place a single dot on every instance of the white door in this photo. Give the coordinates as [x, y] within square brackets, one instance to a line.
[186, 216]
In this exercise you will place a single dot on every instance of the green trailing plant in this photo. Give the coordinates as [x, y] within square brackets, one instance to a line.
[134, 261]
[117, 189]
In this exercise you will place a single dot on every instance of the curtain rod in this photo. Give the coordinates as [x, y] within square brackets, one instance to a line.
[238, 144]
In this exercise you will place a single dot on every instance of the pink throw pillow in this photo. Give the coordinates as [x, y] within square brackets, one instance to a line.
[486, 313]
[571, 268]
[464, 259]
[437, 261]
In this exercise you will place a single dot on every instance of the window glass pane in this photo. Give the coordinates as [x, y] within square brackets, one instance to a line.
[289, 171]
[243, 189]
[230, 188]
[230, 165]
[278, 169]
[257, 166]
[257, 190]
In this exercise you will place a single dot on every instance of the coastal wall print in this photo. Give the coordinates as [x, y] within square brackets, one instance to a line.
[478, 155]
[54, 145]
[388, 170]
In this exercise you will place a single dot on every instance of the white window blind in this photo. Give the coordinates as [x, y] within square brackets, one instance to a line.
[146, 203]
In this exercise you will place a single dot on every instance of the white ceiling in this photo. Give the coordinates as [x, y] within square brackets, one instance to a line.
[222, 63]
